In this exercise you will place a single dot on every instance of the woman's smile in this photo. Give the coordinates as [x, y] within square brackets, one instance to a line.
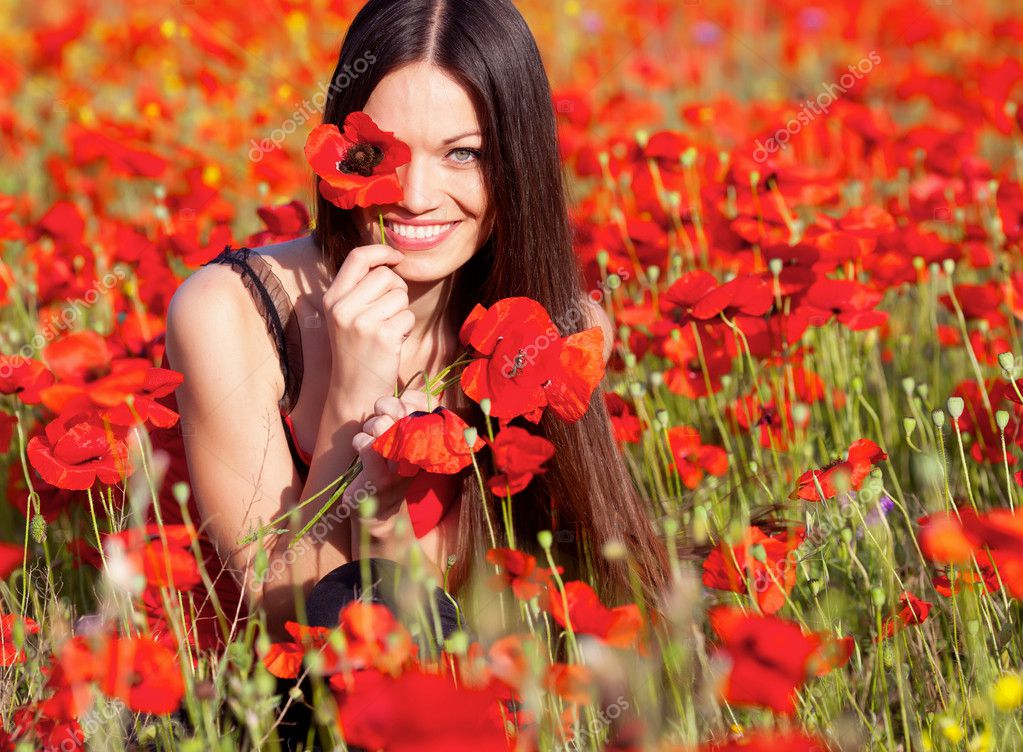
[418, 236]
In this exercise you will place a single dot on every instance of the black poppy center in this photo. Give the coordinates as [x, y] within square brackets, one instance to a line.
[361, 159]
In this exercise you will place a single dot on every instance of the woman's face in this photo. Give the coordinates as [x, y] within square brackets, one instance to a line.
[439, 223]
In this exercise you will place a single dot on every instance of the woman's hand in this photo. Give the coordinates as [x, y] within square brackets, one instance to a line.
[368, 318]
[379, 476]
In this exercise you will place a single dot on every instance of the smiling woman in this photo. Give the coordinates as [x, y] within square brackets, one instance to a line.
[478, 214]
[484, 217]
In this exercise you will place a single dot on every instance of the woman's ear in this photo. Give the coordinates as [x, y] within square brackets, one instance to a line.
[597, 316]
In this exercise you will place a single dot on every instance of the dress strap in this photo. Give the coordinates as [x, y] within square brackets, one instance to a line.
[278, 312]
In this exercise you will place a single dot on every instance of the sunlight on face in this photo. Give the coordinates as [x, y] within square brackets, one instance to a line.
[443, 184]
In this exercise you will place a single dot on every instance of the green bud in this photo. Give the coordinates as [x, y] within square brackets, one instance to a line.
[613, 281]
[545, 538]
[877, 597]
[948, 266]
[909, 426]
[470, 434]
[956, 407]
[758, 552]
[602, 258]
[457, 643]
[938, 417]
[38, 528]
[181, 492]
[846, 535]
[1007, 361]
[907, 385]
[1002, 419]
[775, 265]
[661, 416]
[485, 405]
[653, 273]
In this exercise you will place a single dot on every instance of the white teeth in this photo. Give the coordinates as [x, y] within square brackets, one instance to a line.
[418, 232]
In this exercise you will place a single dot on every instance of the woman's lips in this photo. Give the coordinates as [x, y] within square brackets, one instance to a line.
[403, 243]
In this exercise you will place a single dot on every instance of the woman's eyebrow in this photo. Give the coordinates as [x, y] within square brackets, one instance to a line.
[451, 140]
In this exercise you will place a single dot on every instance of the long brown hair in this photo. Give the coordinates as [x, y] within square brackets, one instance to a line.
[586, 497]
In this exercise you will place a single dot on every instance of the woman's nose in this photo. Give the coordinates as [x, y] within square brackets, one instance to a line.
[420, 186]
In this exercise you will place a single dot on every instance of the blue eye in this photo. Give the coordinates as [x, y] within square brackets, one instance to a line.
[474, 154]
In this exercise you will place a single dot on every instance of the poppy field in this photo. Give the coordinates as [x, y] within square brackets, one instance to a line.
[805, 223]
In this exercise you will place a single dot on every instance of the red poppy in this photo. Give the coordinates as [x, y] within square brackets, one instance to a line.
[518, 456]
[618, 627]
[9, 654]
[284, 659]
[431, 441]
[863, 455]
[10, 559]
[519, 570]
[142, 673]
[771, 658]
[171, 566]
[523, 365]
[417, 711]
[913, 611]
[375, 639]
[993, 538]
[693, 457]
[851, 302]
[356, 167]
[77, 449]
[628, 428]
[24, 377]
[765, 562]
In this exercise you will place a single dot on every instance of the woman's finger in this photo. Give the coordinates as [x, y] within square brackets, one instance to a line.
[357, 265]
[378, 425]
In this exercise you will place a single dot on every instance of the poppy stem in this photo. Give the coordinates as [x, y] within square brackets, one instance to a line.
[383, 238]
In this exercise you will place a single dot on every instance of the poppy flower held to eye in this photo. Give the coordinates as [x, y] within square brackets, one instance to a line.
[356, 165]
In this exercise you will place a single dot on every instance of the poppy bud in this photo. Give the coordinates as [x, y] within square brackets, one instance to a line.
[38, 528]
[877, 597]
[938, 417]
[181, 492]
[955, 407]
[907, 385]
[1002, 419]
[1007, 361]
[545, 538]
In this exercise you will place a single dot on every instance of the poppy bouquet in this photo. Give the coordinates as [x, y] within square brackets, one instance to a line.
[515, 364]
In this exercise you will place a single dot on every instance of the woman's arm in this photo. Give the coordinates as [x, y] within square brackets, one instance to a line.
[241, 470]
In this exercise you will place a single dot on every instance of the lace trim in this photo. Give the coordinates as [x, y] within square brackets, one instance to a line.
[277, 311]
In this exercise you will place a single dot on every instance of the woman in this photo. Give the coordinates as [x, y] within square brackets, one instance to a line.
[267, 423]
